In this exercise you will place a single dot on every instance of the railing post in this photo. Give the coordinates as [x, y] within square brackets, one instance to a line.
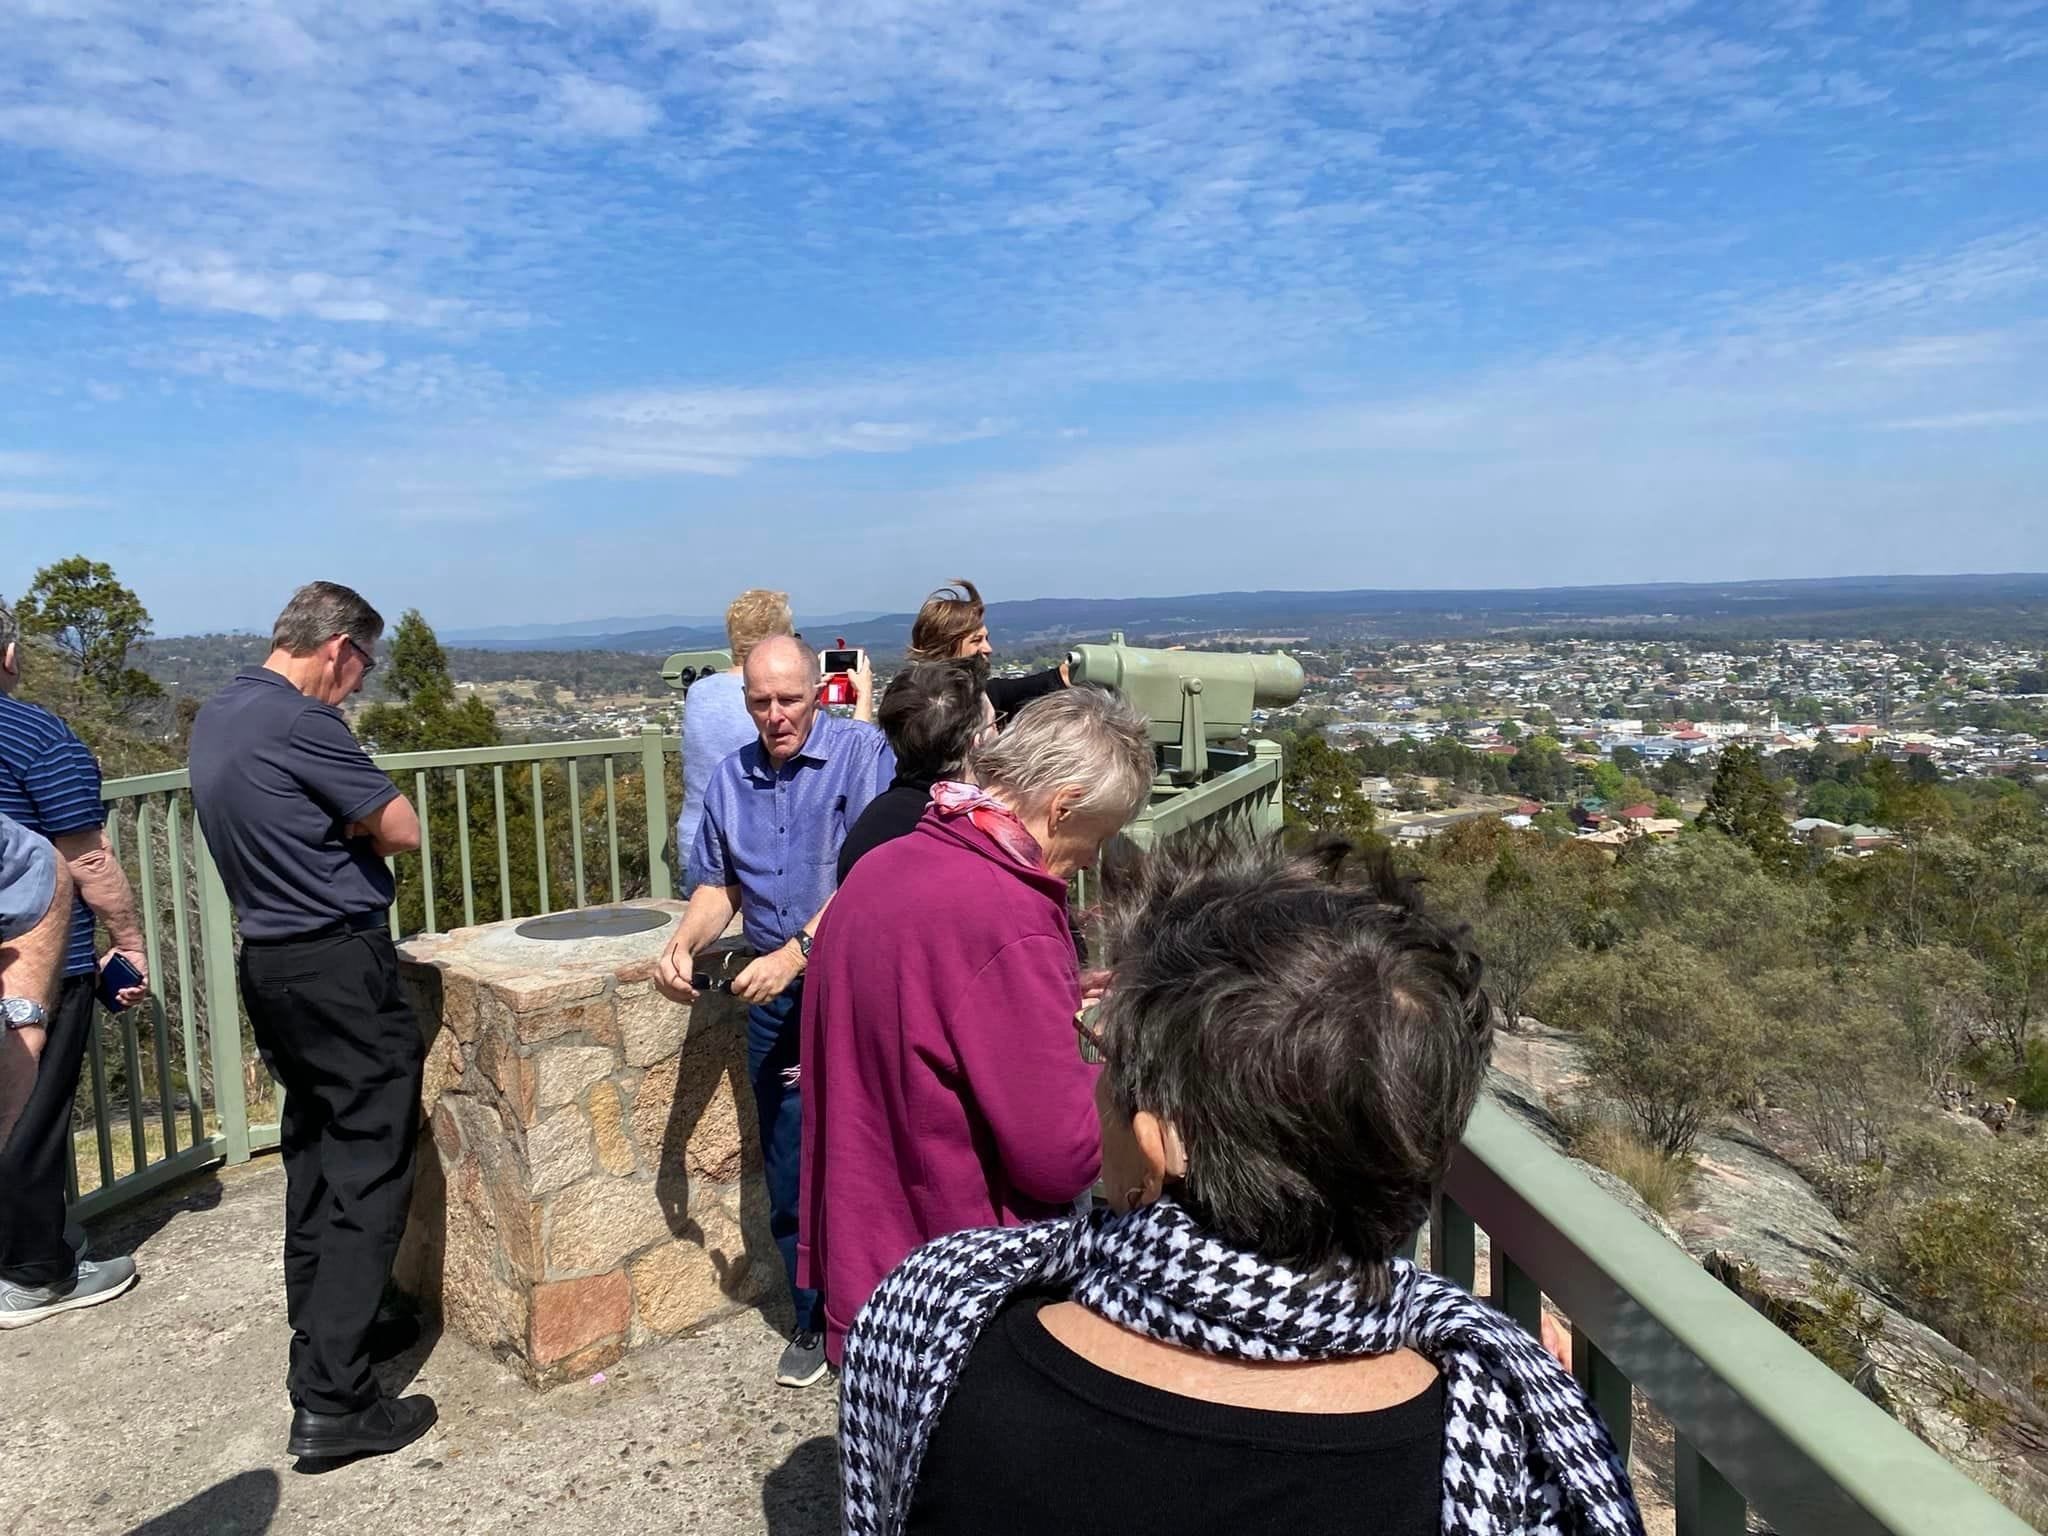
[1453, 1245]
[1510, 1288]
[1606, 1386]
[223, 1002]
[1142, 834]
[654, 781]
[1270, 814]
[1704, 1502]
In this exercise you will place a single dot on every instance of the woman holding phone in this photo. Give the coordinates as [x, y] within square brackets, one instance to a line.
[954, 622]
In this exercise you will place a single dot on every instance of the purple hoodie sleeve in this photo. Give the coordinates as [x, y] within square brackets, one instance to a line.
[1013, 1033]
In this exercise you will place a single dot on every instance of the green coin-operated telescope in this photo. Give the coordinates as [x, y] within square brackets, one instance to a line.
[1193, 698]
[685, 667]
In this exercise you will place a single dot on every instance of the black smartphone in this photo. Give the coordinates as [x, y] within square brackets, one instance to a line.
[116, 977]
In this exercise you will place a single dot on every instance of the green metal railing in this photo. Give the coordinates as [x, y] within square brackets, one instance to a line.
[1247, 795]
[419, 774]
[1759, 1424]
[182, 1101]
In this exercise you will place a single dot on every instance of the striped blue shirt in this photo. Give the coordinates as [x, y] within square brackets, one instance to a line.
[50, 783]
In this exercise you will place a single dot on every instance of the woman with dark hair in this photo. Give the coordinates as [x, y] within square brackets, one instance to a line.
[954, 622]
[1233, 1345]
[934, 712]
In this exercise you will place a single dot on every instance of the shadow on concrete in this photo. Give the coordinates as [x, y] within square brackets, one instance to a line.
[124, 1230]
[714, 1054]
[244, 1505]
[801, 1497]
[416, 1332]
[416, 1285]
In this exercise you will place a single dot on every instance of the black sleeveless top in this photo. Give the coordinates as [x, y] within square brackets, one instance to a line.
[1037, 1440]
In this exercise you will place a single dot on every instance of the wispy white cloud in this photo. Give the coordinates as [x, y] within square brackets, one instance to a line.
[23, 464]
[44, 501]
[209, 280]
[1961, 421]
[18, 464]
[336, 374]
[1923, 353]
[603, 109]
[1285, 258]
[430, 167]
[650, 433]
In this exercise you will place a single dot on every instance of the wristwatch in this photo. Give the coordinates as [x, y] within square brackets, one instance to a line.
[803, 944]
[22, 1013]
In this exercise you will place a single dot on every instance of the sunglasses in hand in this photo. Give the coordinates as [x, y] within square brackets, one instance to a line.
[1088, 1035]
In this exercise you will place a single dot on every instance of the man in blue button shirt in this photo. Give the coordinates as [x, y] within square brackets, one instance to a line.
[775, 813]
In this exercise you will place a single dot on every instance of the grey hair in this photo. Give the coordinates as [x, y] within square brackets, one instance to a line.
[1317, 1045]
[10, 627]
[1092, 737]
[318, 612]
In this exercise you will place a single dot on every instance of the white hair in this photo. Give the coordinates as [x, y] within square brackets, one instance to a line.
[1086, 736]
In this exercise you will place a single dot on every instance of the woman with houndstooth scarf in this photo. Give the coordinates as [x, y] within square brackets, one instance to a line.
[1231, 1344]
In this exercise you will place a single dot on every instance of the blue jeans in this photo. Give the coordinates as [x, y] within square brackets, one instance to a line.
[773, 1038]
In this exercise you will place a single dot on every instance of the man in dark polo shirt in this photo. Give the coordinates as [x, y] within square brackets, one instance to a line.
[300, 820]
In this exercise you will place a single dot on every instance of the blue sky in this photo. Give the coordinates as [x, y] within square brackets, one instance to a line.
[531, 311]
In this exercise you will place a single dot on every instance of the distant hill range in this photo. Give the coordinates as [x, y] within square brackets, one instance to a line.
[605, 634]
[614, 659]
[2010, 607]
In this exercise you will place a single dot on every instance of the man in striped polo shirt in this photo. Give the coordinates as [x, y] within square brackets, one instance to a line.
[50, 784]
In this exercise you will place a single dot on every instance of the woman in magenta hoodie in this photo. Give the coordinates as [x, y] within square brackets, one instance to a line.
[942, 1088]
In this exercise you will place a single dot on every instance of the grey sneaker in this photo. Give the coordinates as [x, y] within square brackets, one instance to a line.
[97, 1280]
[803, 1362]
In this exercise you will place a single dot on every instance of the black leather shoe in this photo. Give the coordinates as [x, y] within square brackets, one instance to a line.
[387, 1425]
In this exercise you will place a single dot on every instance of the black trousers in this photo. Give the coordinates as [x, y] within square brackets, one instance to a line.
[32, 1246]
[335, 1029]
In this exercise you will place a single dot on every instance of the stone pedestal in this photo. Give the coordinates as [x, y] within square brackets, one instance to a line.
[588, 1181]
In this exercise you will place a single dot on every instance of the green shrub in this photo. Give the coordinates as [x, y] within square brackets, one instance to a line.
[1667, 1035]
[2032, 1088]
[1969, 1255]
[1838, 1332]
[1663, 1180]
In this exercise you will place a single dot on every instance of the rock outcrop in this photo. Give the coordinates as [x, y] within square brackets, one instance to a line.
[1756, 1223]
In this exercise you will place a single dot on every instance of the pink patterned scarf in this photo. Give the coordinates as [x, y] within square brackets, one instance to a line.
[991, 817]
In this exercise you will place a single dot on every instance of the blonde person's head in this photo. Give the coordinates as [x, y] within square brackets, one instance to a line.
[754, 616]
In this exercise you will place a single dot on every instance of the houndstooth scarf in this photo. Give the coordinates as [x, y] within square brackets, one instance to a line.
[1524, 1451]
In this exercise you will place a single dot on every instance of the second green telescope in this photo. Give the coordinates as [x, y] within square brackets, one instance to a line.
[1232, 684]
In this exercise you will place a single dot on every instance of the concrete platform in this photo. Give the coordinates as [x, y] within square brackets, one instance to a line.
[164, 1414]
